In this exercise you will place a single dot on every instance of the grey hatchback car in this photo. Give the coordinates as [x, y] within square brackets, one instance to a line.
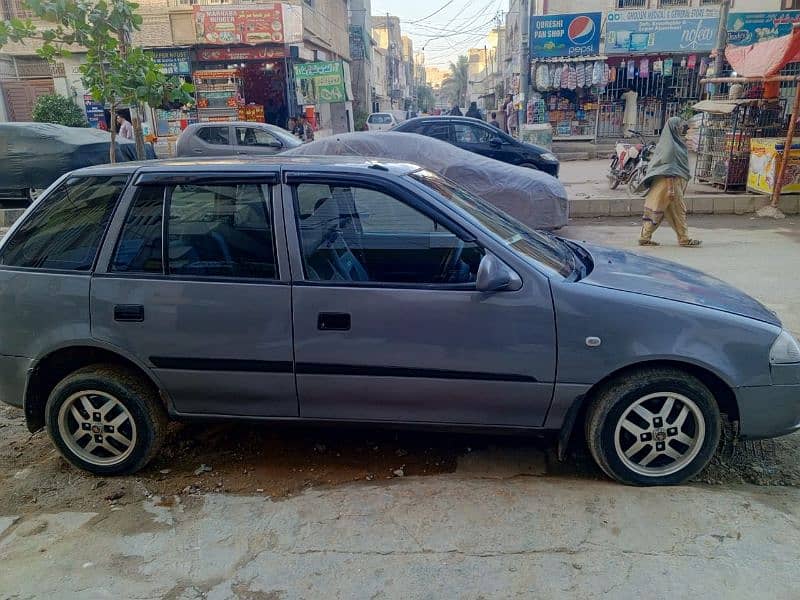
[238, 138]
[336, 289]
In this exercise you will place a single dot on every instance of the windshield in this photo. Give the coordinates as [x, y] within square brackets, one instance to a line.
[545, 249]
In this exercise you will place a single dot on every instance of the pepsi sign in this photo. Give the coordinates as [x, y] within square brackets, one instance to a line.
[565, 35]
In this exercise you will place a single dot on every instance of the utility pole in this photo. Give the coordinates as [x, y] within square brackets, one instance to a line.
[722, 37]
[525, 61]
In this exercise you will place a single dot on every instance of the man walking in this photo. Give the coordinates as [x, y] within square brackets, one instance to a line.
[124, 128]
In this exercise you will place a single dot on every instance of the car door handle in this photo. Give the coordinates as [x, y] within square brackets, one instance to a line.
[333, 322]
[129, 312]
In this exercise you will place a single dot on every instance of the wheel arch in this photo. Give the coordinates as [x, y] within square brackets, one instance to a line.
[59, 362]
[576, 415]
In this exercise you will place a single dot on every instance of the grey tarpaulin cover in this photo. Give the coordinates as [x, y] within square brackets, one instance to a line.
[34, 155]
[533, 197]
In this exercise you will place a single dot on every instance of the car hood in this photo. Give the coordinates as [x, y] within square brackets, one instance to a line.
[629, 272]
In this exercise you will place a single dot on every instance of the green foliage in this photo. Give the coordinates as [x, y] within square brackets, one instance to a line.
[360, 120]
[455, 86]
[53, 108]
[426, 100]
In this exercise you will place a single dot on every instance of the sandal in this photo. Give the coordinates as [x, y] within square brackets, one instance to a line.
[691, 243]
[648, 243]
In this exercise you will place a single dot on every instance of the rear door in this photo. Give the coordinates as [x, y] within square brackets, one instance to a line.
[203, 296]
[212, 140]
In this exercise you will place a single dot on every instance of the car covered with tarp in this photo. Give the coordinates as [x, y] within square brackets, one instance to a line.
[532, 197]
[34, 155]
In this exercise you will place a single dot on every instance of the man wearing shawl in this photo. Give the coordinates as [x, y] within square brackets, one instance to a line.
[666, 179]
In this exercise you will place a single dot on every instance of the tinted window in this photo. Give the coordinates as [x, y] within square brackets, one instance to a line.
[214, 135]
[220, 230]
[380, 119]
[252, 136]
[440, 131]
[471, 134]
[64, 231]
[359, 234]
[139, 246]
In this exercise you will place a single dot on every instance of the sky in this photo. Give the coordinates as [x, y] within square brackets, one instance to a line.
[456, 26]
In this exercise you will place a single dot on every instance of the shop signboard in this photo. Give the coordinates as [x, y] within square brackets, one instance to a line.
[357, 48]
[663, 30]
[95, 113]
[225, 53]
[173, 61]
[248, 23]
[565, 35]
[321, 82]
[753, 27]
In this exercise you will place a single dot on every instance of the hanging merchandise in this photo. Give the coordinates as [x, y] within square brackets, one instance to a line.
[609, 74]
[703, 66]
[692, 63]
[631, 69]
[542, 77]
[644, 68]
[565, 77]
[597, 73]
[556, 77]
[580, 75]
[658, 66]
[668, 67]
[572, 79]
[683, 62]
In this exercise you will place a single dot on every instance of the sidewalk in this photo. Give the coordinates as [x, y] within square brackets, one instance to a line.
[590, 196]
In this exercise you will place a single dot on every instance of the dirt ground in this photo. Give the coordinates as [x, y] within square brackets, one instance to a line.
[279, 460]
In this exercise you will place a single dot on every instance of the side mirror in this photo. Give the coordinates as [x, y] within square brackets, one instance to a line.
[494, 275]
[495, 142]
[275, 144]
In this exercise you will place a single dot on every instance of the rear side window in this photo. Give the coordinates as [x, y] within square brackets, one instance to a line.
[380, 119]
[65, 230]
[217, 136]
[139, 247]
[440, 131]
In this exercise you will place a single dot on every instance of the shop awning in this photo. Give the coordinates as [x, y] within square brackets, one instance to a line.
[765, 59]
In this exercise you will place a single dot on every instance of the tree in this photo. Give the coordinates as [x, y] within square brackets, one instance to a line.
[455, 86]
[54, 108]
[115, 73]
[425, 98]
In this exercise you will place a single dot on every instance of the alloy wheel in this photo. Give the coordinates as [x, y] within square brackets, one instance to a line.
[659, 434]
[97, 427]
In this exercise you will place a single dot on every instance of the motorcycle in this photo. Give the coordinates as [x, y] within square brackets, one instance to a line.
[629, 163]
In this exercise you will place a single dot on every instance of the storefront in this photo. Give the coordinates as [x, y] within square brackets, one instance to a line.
[169, 122]
[656, 59]
[567, 74]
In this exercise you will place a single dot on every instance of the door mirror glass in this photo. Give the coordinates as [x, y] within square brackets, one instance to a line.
[495, 142]
[494, 275]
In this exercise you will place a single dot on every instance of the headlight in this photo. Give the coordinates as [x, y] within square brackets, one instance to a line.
[549, 157]
[785, 350]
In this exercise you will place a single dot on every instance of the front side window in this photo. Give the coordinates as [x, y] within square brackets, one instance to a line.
[217, 136]
[471, 134]
[252, 136]
[220, 230]
[65, 229]
[359, 234]
[440, 131]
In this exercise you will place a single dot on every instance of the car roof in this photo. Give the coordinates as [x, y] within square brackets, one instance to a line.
[446, 118]
[349, 164]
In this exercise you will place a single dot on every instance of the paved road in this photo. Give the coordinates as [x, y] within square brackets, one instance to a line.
[502, 522]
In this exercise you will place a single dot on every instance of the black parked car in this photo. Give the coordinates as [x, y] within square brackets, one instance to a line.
[481, 138]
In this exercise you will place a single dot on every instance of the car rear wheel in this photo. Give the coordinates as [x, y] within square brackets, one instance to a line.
[105, 419]
[653, 427]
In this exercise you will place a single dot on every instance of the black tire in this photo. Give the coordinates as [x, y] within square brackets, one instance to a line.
[610, 409]
[613, 182]
[146, 424]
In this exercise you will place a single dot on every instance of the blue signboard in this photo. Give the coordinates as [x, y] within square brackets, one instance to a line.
[753, 27]
[173, 61]
[678, 30]
[565, 35]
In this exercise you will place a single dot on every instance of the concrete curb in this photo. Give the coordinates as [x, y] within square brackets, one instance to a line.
[699, 204]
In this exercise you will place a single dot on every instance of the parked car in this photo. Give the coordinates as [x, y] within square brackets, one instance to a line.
[344, 289]
[481, 138]
[234, 138]
[382, 121]
[34, 155]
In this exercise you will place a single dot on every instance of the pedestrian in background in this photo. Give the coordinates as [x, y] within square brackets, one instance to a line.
[666, 180]
[307, 131]
[473, 111]
[504, 108]
[124, 128]
[456, 112]
[291, 125]
[512, 118]
[494, 122]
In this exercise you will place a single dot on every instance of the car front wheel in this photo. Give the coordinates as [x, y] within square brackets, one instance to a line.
[653, 427]
[105, 419]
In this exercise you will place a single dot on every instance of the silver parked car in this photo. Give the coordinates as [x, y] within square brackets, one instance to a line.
[240, 138]
[343, 289]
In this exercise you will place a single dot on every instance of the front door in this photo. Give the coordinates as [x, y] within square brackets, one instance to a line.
[388, 324]
[202, 299]
[478, 139]
[256, 141]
